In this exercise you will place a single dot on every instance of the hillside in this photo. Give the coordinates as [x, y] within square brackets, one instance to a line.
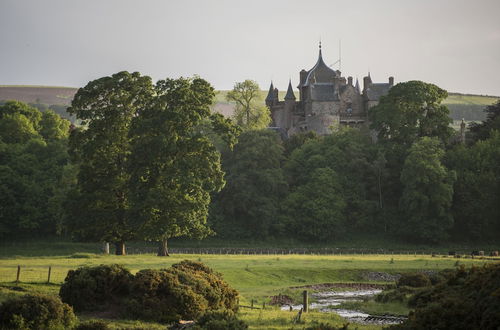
[467, 106]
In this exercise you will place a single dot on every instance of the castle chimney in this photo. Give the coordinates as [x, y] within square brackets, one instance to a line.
[349, 81]
[366, 82]
[303, 76]
[391, 81]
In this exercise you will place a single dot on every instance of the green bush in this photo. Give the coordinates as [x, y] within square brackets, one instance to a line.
[37, 312]
[220, 320]
[414, 280]
[94, 288]
[467, 299]
[185, 291]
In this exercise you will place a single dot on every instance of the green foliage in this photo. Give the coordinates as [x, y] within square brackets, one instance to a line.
[468, 299]
[185, 291]
[483, 130]
[411, 110]
[220, 320]
[95, 288]
[37, 312]
[427, 192]
[414, 280]
[32, 167]
[327, 326]
[316, 208]
[248, 206]
[99, 205]
[349, 155]
[475, 202]
[250, 112]
[173, 166]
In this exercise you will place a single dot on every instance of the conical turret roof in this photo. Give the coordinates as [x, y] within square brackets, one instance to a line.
[270, 94]
[320, 73]
[289, 93]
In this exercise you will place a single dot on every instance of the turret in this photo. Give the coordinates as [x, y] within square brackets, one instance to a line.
[272, 96]
[290, 96]
[367, 81]
[391, 81]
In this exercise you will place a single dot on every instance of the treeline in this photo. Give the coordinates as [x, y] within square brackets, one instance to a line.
[417, 183]
[146, 165]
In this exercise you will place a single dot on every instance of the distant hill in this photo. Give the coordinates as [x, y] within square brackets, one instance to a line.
[467, 106]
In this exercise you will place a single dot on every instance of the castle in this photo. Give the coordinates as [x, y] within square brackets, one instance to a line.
[326, 100]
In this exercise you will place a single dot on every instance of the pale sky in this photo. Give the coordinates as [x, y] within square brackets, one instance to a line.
[454, 44]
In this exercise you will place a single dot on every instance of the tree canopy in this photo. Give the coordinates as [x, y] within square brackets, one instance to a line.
[250, 112]
[411, 110]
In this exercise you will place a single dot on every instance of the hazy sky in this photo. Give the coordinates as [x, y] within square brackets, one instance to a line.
[452, 43]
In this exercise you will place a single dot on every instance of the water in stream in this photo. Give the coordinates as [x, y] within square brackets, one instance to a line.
[325, 301]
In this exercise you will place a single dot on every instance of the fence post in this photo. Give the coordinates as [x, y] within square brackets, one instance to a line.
[305, 301]
[18, 273]
[48, 277]
[251, 303]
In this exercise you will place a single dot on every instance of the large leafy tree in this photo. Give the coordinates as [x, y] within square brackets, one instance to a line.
[427, 192]
[106, 107]
[250, 112]
[174, 166]
[249, 205]
[411, 110]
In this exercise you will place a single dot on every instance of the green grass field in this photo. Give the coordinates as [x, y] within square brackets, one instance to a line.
[256, 277]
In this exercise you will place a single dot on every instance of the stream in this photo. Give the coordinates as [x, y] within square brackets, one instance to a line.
[328, 299]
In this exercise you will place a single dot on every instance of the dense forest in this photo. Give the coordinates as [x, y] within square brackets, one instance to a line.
[151, 162]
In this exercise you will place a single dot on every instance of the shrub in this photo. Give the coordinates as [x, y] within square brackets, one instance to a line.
[414, 280]
[467, 299]
[94, 288]
[36, 312]
[185, 291]
[220, 320]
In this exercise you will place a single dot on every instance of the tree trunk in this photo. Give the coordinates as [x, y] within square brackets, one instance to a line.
[120, 249]
[105, 247]
[163, 249]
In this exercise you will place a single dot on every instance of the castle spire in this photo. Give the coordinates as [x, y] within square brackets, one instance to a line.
[289, 93]
[357, 86]
[270, 94]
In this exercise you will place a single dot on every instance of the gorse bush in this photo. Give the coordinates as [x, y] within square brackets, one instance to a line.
[187, 290]
[466, 299]
[37, 312]
[94, 288]
[414, 280]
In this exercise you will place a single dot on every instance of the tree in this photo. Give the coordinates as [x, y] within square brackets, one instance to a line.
[350, 154]
[411, 110]
[174, 167]
[249, 204]
[481, 131]
[427, 192]
[316, 209]
[31, 170]
[99, 205]
[250, 112]
[476, 199]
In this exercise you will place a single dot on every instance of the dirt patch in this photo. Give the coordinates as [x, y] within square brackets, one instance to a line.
[280, 300]
[381, 276]
[354, 286]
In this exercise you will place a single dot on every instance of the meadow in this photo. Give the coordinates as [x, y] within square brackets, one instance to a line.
[256, 277]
